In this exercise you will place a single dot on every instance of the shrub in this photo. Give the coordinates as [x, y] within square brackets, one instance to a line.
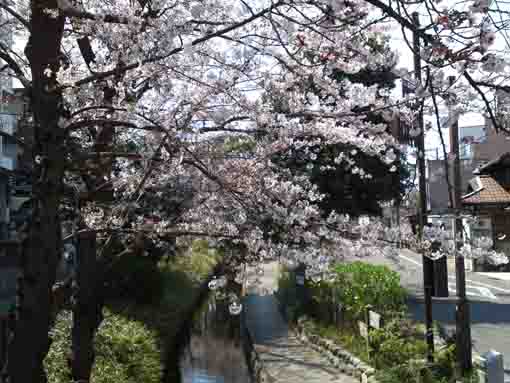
[199, 261]
[398, 374]
[358, 285]
[126, 351]
[444, 361]
[390, 348]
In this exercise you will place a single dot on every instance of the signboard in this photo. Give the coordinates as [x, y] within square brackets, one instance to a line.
[363, 329]
[468, 264]
[9, 268]
[374, 319]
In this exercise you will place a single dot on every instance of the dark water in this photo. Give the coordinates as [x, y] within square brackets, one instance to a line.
[214, 353]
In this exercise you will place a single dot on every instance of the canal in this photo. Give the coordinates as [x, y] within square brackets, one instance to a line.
[213, 351]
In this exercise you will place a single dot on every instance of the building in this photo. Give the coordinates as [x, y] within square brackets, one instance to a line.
[483, 142]
[8, 150]
[488, 198]
[482, 151]
[478, 144]
[472, 142]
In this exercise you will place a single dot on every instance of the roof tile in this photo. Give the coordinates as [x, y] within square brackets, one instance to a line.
[490, 192]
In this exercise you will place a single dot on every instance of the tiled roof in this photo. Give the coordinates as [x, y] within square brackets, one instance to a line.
[486, 191]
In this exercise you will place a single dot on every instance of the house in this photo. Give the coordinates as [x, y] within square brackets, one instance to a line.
[488, 197]
[437, 187]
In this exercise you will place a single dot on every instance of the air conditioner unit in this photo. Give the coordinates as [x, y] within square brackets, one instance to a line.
[6, 163]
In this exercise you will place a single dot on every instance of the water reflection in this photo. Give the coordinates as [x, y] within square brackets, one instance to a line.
[214, 353]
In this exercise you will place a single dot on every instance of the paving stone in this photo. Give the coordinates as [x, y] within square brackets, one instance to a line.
[284, 357]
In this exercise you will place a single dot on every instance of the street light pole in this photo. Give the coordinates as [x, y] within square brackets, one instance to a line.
[462, 320]
[420, 146]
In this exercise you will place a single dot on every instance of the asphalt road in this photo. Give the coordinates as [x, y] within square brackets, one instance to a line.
[489, 303]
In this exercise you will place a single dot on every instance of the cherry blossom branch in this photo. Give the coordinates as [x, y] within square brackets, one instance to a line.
[13, 65]
[94, 155]
[168, 234]
[16, 15]
[117, 71]
[400, 19]
[97, 107]
[110, 124]
[114, 19]
[473, 83]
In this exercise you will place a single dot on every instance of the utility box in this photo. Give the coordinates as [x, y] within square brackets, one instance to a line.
[435, 273]
[491, 368]
[440, 268]
[301, 293]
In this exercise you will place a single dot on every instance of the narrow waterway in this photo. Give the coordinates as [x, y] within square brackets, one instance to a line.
[213, 352]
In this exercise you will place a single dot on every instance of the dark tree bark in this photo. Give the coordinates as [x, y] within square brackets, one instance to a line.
[87, 312]
[41, 248]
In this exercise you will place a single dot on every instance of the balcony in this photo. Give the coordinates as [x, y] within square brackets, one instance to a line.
[8, 123]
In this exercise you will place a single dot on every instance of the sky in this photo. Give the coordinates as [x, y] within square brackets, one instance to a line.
[432, 137]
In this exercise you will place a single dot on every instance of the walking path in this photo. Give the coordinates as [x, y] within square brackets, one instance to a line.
[284, 357]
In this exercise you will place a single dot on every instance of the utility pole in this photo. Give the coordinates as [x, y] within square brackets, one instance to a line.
[462, 319]
[420, 146]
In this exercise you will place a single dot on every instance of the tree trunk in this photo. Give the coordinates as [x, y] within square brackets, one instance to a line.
[41, 249]
[87, 310]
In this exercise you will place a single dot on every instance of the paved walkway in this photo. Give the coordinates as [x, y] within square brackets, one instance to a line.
[284, 357]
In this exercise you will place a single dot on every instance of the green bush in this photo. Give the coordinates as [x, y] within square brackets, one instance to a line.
[137, 279]
[389, 348]
[358, 285]
[399, 374]
[444, 361]
[126, 351]
[200, 261]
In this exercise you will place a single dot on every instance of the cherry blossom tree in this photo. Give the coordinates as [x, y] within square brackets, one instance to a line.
[125, 96]
[132, 98]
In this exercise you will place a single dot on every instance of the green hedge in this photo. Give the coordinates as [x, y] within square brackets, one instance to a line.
[126, 351]
[358, 285]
